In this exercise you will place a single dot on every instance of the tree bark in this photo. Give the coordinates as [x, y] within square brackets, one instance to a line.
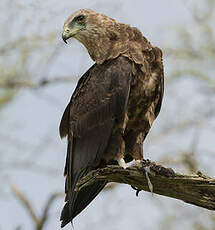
[195, 189]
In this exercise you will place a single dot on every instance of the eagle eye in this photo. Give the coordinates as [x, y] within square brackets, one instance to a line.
[79, 18]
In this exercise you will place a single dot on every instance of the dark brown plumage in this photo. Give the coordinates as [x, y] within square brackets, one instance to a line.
[114, 104]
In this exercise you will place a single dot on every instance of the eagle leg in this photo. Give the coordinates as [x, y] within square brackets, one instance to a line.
[116, 149]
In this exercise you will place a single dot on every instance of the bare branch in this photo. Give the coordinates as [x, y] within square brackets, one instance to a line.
[39, 222]
[25, 203]
[47, 207]
[12, 83]
[196, 189]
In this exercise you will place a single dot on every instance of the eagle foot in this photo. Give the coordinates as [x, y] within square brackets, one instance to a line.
[156, 169]
[137, 190]
[125, 165]
[122, 163]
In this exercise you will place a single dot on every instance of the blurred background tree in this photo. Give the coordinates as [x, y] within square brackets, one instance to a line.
[37, 77]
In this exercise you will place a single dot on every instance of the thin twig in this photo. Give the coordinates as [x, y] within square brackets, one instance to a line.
[39, 222]
[25, 203]
[11, 84]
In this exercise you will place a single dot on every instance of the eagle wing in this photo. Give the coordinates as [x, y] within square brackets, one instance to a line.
[98, 102]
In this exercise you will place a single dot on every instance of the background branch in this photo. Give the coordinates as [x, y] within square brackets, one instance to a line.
[39, 221]
[13, 83]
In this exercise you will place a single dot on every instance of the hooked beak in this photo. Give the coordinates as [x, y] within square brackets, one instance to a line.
[64, 37]
[68, 33]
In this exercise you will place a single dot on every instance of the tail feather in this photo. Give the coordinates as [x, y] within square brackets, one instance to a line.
[84, 197]
[82, 154]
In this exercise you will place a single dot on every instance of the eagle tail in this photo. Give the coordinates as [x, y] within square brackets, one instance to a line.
[82, 154]
[83, 198]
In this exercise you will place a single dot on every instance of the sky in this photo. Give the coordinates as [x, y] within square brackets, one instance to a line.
[32, 119]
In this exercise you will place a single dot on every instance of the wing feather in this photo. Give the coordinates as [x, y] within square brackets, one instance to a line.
[99, 100]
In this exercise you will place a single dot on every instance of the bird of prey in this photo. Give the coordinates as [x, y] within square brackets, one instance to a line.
[114, 104]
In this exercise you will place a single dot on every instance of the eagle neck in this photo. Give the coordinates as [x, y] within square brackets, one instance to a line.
[120, 39]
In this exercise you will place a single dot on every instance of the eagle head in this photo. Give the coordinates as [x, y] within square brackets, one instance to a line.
[105, 38]
[92, 29]
[87, 24]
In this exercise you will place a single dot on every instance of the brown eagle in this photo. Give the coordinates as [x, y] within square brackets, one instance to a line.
[114, 104]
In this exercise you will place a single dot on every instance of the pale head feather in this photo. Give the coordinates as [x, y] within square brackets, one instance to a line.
[105, 38]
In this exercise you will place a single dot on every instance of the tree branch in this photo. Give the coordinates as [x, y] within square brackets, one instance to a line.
[196, 189]
[25, 203]
[39, 221]
[13, 83]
